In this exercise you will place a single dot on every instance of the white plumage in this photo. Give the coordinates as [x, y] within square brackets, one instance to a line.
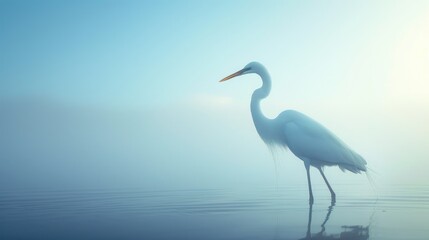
[309, 140]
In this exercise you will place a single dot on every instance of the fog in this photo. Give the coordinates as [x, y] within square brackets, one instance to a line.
[53, 145]
[126, 95]
[48, 145]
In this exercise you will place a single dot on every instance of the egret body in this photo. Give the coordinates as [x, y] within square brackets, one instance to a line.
[310, 141]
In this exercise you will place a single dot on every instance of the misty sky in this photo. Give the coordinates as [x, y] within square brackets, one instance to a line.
[126, 93]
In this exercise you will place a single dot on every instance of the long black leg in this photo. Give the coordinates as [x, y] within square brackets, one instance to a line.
[333, 197]
[310, 213]
[307, 168]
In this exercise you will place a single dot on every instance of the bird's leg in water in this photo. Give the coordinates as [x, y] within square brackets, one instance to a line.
[329, 186]
[307, 168]
[310, 213]
[327, 216]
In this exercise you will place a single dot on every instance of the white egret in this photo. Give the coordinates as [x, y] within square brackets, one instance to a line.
[314, 144]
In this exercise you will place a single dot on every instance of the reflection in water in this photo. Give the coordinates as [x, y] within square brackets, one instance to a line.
[349, 232]
[254, 214]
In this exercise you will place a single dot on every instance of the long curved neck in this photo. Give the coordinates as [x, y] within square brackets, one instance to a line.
[260, 121]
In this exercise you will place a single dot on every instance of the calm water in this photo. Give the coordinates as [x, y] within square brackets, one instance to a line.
[396, 212]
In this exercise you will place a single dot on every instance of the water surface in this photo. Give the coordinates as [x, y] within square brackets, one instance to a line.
[395, 212]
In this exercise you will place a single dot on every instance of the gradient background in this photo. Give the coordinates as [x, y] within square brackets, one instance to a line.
[118, 94]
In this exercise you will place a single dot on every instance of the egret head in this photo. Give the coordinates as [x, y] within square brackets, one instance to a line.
[253, 67]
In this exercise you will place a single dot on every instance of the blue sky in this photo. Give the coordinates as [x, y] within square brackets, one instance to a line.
[359, 67]
[138, 51]
[127, 53]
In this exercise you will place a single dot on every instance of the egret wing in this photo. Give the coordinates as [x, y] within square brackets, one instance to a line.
[309, 140]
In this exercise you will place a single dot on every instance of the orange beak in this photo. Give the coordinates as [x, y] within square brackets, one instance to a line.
[235, 74]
